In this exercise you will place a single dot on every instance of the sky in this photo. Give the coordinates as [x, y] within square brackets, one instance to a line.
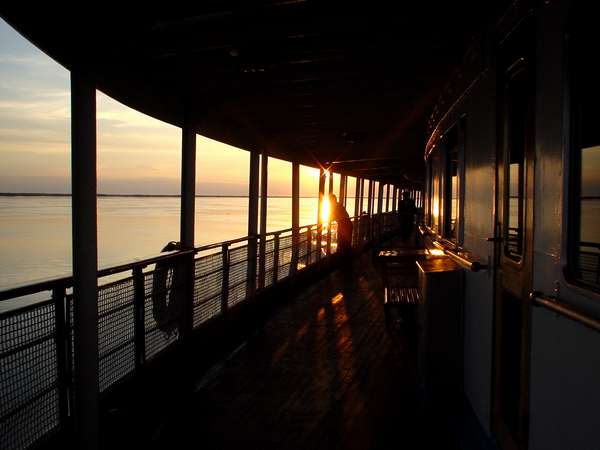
[137, 154]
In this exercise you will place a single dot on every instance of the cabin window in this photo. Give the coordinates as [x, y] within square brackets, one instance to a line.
[428, 202]
[588, 245]
[584, 229]
[436, 194]
[514, 186]
[453, 145]
[452, 184]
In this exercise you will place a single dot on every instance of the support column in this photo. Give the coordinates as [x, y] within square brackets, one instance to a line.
[85, 259]
[329, 192]
[319, 219]
[357, 195]
[370, 198]
[394, 192]
[380, 198]
[373, 197]
[295, 215]
[342, 192]
[356, 228]
[188, 218]
[330, 187]
[264, 179]
[252, 222]
[362, 196]
[188, 187]
[387, 198]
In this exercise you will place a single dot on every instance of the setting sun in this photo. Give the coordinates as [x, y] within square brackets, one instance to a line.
[325, 210]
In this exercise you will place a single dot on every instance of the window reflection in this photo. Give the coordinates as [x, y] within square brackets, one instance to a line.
[436, 207]
[515, 175]
[584, 229]
[452, 184]
[588, 261]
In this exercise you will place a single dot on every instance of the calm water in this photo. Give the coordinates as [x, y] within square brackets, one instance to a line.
[35, 232]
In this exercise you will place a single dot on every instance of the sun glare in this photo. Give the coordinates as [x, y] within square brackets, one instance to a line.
[325, 213]
[325, 210]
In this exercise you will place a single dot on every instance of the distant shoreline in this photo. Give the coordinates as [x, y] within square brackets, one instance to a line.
[42, 194]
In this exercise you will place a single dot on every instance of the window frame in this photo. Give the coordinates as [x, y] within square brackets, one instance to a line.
[459, 128]
[514, 72]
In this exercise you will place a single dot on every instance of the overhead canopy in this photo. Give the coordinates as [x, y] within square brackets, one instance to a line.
[302, 80]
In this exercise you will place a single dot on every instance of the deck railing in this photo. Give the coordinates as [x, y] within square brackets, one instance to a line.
[142, 310]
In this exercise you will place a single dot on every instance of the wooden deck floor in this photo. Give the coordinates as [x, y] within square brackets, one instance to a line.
[323, 373]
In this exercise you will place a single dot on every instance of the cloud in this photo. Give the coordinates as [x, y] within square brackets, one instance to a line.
[31, 60]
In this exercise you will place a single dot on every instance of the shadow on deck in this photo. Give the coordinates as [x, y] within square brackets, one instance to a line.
[321, 372]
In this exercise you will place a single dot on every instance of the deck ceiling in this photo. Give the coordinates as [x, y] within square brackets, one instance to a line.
[303, 80]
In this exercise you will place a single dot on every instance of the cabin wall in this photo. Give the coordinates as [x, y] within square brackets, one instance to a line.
[565, 360]
[564, 390]
[480, 148]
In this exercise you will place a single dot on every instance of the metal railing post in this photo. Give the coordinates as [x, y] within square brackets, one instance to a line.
[139, 295]
[187, 263]
[329, 192]
[62, 350]
[295, 216]
[308, 245]
[225, 278]
[275, 258]
[319, 218]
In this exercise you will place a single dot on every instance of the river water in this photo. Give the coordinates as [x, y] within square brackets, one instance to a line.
[35, 231]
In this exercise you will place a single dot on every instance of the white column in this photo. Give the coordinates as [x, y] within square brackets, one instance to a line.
[319, 219]
[252, 221]
[85, 259]
[264, 183]
[188, 186]
[295, 214]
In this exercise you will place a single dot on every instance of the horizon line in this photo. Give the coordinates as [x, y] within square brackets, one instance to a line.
[55, 194]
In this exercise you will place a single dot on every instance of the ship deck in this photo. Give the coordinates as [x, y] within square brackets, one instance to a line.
[322, 372]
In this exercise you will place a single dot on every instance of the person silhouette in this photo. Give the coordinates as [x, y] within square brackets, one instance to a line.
[406, 215]
[344, 225]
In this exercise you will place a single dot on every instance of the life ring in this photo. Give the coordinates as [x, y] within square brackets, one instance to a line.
[167, 287]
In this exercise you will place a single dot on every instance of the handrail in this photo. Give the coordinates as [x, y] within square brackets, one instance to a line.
[438, 245]
[473, 266]
[22, 290]
[461, 259]
[65, 282]
[554, 304]
[423, 230]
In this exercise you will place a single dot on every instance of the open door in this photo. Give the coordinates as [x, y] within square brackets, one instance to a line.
[514, 237]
